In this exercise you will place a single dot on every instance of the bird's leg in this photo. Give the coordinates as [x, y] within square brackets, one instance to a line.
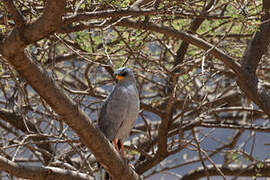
[120, 147]
[123, 150]
[123, 153]
[115, 144]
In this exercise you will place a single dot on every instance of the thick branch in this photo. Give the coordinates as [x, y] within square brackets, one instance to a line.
[251, 58]
[47, 23]
[40, 173]
[44, 26]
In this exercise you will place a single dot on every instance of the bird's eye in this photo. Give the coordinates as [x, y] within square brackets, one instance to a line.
[124, 73]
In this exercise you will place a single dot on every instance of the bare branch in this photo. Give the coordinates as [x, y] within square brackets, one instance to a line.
[40, 173]
[18, 122]
[230, 62]
[109, 13]
[196, 23]
[16, 14]
[231, 170]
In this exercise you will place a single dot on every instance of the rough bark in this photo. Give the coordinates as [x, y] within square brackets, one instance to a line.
[40, 173]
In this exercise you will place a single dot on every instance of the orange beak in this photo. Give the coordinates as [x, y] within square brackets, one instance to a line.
[119, 77]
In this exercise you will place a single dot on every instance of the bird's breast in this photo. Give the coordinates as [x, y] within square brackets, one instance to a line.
[131, 113]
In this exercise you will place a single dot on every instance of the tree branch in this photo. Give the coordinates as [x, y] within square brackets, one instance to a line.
[192, 39]
[257, 47]
[110, 13]
[230, 170]
[40, 173]
[18, 122]
[16, 14]
[246, 81]
[47, 23]
[195, 24]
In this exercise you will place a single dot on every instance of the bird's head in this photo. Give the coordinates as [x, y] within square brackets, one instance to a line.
[124, 74]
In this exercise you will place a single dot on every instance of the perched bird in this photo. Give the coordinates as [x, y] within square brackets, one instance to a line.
[120, 109]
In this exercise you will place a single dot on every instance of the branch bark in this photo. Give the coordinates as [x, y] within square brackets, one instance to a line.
[40, 173]
[257, 47]
[231, 170]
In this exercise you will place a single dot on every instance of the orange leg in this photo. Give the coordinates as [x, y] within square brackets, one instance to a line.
[124, 155]
[115, 144]
[122, 150]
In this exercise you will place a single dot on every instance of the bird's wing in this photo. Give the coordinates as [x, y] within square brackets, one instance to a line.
[113, 112]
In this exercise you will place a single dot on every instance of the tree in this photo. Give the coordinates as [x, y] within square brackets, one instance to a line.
[201, 69]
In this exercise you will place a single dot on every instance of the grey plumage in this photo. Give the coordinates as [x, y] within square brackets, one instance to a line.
[121, 107]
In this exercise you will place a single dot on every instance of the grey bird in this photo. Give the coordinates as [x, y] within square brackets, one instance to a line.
[120, 109]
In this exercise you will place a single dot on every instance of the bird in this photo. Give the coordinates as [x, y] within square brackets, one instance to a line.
[120, 109]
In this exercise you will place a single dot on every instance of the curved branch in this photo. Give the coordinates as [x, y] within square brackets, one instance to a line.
[40, 173]
[250, 61]
[190, 38]
[257, 95]
[45, 25]
[246, 81]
